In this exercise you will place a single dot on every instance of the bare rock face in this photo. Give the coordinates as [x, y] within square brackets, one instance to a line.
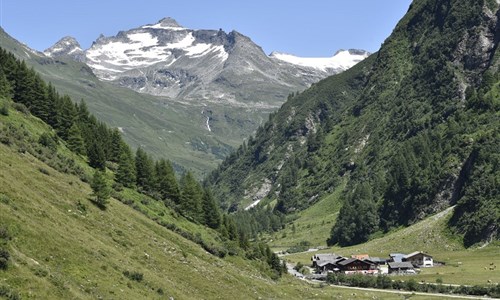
[476, 49]
[66, 47]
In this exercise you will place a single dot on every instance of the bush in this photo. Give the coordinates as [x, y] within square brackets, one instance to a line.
[9, 294]
[4, 232]
[44, 171]
[21, 108]
[4, 259]
[4, 109]
[41, 272]
[4, 198]
[136, 276]
[48, 141]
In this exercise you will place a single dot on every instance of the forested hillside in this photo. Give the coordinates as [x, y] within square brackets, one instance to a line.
[59, 160]
[413, 129]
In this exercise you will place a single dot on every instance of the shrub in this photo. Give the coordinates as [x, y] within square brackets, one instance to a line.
[4, 198]
[41, 272]
[48, 141]
[44, 171]
[4, 109]
[21, 108]
[4, 259]
[8, 293]
[136, 276]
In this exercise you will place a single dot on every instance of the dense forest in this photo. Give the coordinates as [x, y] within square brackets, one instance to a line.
[413, 129]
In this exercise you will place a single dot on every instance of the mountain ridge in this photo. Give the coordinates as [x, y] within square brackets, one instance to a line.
[167, 59]
[404, 127]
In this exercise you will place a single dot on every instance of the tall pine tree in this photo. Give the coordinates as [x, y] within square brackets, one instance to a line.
[125, 174]
[144, 171]
[211, 210]
[75, 140]
[191, 195]
[166, 183]
[101, 189]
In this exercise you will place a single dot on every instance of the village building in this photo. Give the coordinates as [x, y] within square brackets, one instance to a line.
[377, 260]
[324, 266]
[354, 266]
[323, 258]
[419, 259]
[396, 257]
[398, 263]
[401, 268]
[361, 256]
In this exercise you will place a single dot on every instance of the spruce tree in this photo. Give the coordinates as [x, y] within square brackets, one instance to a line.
[96, 156]
[357, 219]
[66, 116]
[191, 195]
[75, 140]
[116, 144]
[5, 87]
[144, 171]
[166, 183]
[101, 189]
[125, 174]
[52, 100]
[230, 226]
[210, 210]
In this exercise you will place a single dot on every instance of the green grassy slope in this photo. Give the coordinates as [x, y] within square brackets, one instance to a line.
[311, 225]
[63, 247]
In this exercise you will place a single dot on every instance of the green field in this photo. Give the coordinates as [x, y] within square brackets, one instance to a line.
[462, 266]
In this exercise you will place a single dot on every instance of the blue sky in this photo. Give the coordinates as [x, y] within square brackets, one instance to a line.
[303, 28]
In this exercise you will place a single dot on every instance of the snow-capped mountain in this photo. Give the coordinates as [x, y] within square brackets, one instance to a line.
[203, 66]
[340, 61]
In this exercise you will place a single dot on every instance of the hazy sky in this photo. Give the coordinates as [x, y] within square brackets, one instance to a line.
[303, 28]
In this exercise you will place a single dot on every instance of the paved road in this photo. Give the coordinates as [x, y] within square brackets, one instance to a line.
[412, 293]
[292, 271]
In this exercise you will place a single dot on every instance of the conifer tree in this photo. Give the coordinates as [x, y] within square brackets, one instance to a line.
[5, 87]
[52, 100]
[101, 189]
[66, 116]
[210, 210]
[82, 112]
[40, 106]
[125, 174]
[230, 226]
[358, 217]
[96, 156]
[191, 195]
[116, 144]
[144, 171]
[166, 183]
[75, 140]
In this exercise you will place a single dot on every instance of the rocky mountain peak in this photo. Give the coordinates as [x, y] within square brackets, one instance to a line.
[67, 46]
[166, 24]
[169, 22]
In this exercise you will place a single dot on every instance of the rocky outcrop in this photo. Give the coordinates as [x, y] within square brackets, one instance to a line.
[66, 47]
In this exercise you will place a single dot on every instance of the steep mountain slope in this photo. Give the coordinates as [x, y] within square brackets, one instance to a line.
[59, 245]
[412, 129]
